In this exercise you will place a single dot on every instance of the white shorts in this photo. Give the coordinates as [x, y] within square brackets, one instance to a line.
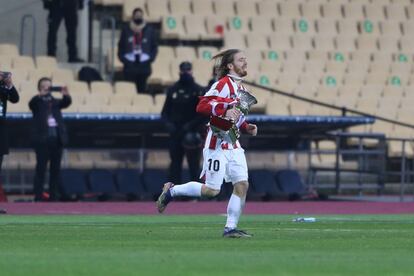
[219, 164]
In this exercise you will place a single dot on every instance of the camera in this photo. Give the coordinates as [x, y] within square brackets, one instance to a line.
[55, 89]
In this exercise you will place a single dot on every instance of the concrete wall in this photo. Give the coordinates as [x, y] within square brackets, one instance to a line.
[11, 13]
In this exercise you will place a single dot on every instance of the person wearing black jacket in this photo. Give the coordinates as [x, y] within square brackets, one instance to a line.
[67, 10]
[137, 49]
[7, 93]
[48, 136]
[184, 124]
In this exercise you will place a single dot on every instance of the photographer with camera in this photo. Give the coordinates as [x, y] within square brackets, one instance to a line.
[7, 93]
[184, 124]
[48, 135]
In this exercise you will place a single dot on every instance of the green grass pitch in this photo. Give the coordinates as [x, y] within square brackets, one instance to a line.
[192, 245]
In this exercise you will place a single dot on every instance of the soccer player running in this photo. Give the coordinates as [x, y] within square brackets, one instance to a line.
[222, 158]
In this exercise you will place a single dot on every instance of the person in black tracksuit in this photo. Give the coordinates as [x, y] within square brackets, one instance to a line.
[48, 136]
[137, 49]
[7, 93]
[184, 124]
[67, 10]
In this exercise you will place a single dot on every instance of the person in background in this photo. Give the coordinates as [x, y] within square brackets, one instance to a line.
[8, 93]
[184, 124]
[48, 135]
[137, 49]
[67, 10]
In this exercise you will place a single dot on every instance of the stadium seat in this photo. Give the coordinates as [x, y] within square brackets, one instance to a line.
[301, 42]
[36, 74]
[280, 42]
[156, 108]
[46, 62]
[277, 105]
[157, 9]
[263, 184]
[195, 27]
[304, 26]
[9, 49]
[257, 41]
[204, 7]
[185, 53]
[154, 180]
[102, 88]
[102, 183]
[348, 27]
[323, 42]
[374, 11]
[391, 27]
[180, 7]
[388, 44]
[238, 24]
[161, 72]
[317, 55]
[332, 10]
[215, 26]
[311, 10]
[283, 26]
[125, 88]
[202, 71]
[234, 40]
[261, 24]
[73, 184]
[129, 182]
[408, 27]
[345, 43]
[224, 7]
[354, 11]
[394, 11]
[289, 9]
[246, 8]
[326, 26]
[62, 76]
[267, 8]
[368, 28]
[172, 27]
[25, 62]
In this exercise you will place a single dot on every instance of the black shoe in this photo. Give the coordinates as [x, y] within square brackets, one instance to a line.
[76, 60]
[235, 233]
[165, 197]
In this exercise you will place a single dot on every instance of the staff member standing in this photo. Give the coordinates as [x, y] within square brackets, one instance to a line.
[184, 124]
[7, 93]
[49, 136]
[137, 49]
[67, 10]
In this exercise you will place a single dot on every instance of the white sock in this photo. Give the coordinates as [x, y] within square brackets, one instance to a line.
[234, 209]
[188, 189]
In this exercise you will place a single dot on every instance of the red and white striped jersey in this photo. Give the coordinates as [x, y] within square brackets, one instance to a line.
[222, 94]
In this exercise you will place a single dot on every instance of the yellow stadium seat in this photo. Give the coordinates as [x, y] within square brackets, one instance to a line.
[234, 40]
[345, 43]
[257, 41]
[301, 42]
[267, 8]
[394, 11]
[9, 49]
[262, 24]
[62, 75]
[374, 11]
[311, 10]
[180, 7]
[203, 7]
[215, 26]
[185, 53]
[280, 42]
[172, 27]
[289, 9]
[283, 26]
[354, 10]
[101, 88]
[326, 26]
[332, 10]
[391, 27]
[324, 42]
[195, 27]
[246, 8]
[224, 7]
[36, 74]
[388, 43]
[367, 43]
[348, 27]
[157, 9]
[23, 62]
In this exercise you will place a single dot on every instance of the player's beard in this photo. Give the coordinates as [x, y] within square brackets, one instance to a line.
[240, 71]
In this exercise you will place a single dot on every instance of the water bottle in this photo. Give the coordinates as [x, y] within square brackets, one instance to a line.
[309, 219]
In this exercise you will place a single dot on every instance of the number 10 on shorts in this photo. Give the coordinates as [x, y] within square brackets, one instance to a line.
[213, 165]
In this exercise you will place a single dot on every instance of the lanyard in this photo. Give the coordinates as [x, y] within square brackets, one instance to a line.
[137, 40]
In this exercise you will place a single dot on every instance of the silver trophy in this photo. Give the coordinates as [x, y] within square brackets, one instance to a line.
[226, 128]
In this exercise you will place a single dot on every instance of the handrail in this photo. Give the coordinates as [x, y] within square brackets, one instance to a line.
[22, 35]
[111, 20]
[343, 109]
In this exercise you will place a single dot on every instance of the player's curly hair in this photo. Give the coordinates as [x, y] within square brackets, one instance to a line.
[222, 60]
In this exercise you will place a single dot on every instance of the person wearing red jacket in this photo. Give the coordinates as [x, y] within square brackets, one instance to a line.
[224, 157]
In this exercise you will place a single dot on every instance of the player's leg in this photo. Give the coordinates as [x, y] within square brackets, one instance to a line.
[239, 176]
[213, 168]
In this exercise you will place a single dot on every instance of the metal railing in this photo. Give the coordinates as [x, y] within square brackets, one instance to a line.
[25, 18]
[112, 22]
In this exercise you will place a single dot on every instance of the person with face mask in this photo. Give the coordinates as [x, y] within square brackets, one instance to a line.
[184, 124]
[48, 136]
[137, 49]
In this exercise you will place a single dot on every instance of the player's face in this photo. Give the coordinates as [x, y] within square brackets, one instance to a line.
[240, 64]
